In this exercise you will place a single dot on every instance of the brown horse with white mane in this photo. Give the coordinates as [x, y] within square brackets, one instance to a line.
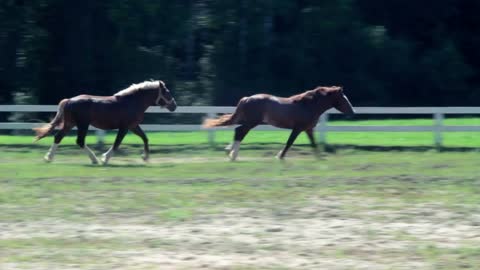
[123, 111]
[298, 113]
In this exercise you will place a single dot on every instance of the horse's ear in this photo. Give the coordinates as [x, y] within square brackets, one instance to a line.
[335, 89]
[152, 80]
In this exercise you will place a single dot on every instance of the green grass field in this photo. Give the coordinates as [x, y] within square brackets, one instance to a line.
[388, 139]
[190, 208]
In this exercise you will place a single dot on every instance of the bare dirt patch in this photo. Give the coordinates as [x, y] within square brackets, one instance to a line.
[322, 235]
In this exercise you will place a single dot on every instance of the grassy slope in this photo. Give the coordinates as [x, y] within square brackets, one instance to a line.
[187, 180]
[177, 179]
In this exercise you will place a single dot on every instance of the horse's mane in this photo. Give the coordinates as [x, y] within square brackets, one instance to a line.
[310, 94]
[134, 88]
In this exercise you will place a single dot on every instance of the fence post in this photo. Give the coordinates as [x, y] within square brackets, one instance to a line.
[438, 129]
[211, 132]
[322, 129]
[100, 136]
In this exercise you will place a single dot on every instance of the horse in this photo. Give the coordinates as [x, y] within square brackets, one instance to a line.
[298, 113]
[123, 111]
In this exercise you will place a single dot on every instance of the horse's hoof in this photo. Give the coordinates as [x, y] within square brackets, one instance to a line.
[145, 158]
[233, 156]
[104, 159]
[94, 161]
[47, 158]
[228, 149]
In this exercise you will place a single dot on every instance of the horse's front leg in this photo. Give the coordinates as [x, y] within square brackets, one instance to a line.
[314, 145]
[139, 132]
[290, 141]
[118, 140]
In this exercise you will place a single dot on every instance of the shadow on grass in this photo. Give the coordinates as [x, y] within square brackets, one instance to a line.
[332, 148]
[376, 148]
[132, 149]
[115, 165]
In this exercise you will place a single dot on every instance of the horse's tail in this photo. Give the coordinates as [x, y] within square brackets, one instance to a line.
[43, 131]
[227, 119]
[224, 120]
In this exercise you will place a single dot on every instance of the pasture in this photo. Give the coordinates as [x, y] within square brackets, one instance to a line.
[189, 208]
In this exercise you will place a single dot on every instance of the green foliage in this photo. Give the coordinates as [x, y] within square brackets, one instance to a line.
[214, 52]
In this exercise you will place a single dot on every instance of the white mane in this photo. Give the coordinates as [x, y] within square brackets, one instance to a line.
[138, 87]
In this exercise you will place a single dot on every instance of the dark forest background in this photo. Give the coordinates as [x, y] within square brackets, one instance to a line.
[212, 52]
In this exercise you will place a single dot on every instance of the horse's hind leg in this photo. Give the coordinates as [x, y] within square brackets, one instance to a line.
[118, 140]
[290, 141]
[240, 133]
[139, 132]
[81, 134]
[57, 140]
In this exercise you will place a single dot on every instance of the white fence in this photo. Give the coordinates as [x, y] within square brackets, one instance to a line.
[437, 127]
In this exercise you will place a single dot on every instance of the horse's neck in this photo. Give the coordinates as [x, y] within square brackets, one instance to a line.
[317, 107]
[143, 99]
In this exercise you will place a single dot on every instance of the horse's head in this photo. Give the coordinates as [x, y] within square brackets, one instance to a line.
[165, 98]
[337, 98]
[341, 102]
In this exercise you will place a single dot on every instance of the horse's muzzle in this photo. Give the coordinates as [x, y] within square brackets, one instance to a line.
[172, 106]
[351, 113]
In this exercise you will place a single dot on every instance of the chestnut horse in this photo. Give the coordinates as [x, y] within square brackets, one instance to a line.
[298, 113]
[123, 111]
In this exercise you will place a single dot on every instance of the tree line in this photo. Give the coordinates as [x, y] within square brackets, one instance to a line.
[213, 52]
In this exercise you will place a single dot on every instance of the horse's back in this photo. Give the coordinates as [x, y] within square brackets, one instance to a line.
[87, 103]
[280, 112]
[268, 109]
[267, 98]
[91, 98]
[104, 112]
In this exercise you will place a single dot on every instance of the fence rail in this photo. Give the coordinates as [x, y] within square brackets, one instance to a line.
[437, 126]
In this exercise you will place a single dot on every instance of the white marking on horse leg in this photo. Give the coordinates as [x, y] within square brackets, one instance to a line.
[107, 155]
[51, 153]
[228, 148]
[234, 153]
[279, 155]
[90, 154]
